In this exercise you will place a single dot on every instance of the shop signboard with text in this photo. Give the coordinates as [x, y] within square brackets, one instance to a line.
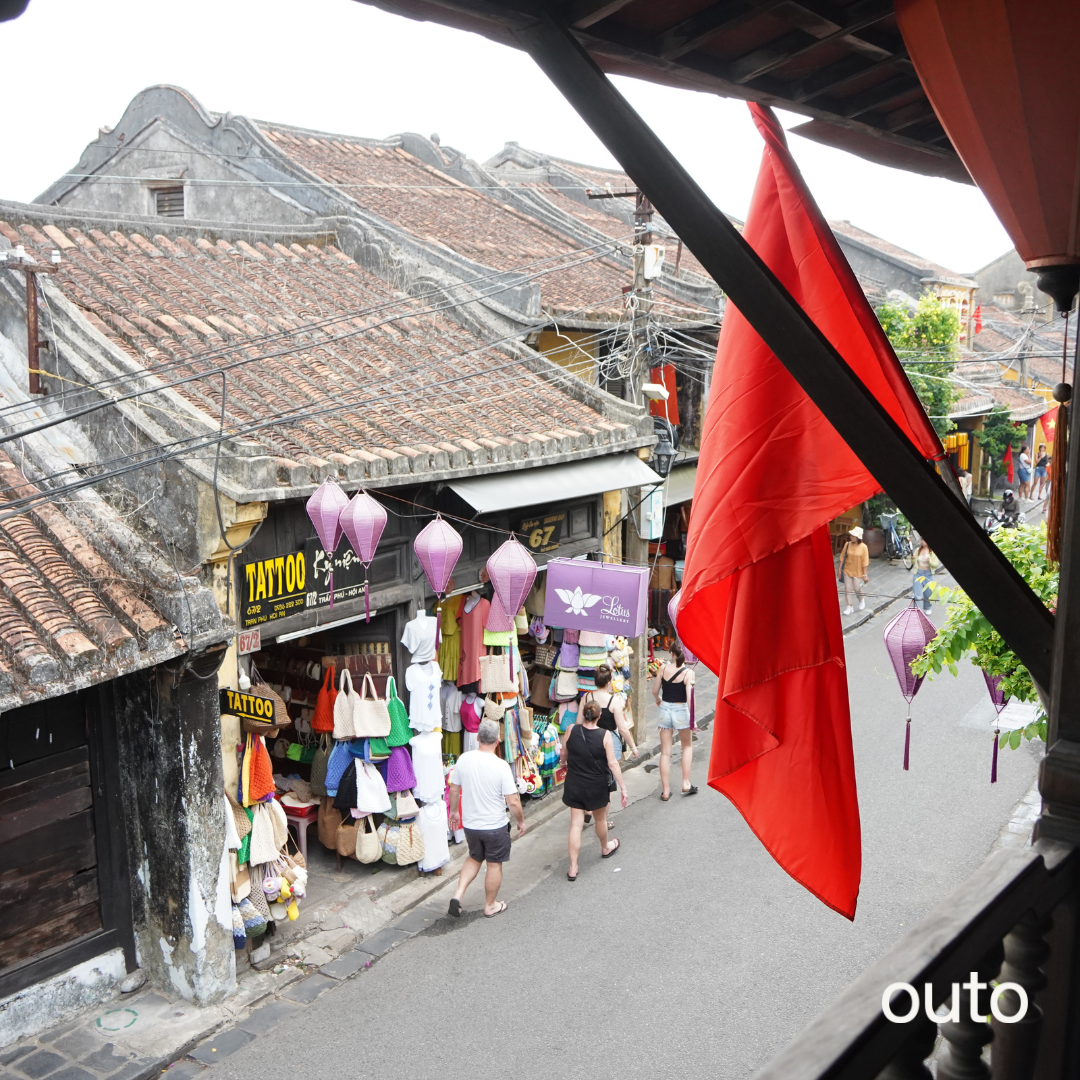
[542, 533]
[584, 595]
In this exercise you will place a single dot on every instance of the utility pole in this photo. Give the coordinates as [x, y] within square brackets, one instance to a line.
[19, 260]
[635, 546]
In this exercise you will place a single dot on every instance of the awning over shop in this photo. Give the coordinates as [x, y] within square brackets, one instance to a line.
[533, 487]
[680, 484]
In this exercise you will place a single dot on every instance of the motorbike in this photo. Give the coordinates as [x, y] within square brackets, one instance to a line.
[1003, 519]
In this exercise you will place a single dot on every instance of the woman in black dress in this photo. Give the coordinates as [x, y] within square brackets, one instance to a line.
[589, 757]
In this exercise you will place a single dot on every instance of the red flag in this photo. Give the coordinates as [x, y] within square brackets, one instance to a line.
[1049, 423]
[665, 376]
[1007, 460]
[978, 319]
[759, 599]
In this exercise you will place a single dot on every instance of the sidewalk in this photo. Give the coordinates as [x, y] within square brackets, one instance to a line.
[137, 1036]
[888, 582]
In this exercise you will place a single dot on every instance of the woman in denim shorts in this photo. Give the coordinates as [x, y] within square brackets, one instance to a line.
[671, 690]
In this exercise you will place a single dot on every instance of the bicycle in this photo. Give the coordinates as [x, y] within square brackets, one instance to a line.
[897, 544]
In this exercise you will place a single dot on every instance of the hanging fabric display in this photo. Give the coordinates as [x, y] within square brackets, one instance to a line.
[363, 521]
[905, 638]
[1000, 700]
[324, 508]
[438, 547]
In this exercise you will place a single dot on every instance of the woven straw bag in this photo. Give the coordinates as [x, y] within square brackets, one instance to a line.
[566, 686]
[318, 766]
[493, 710]
[545, 655]
[322, 719]
[345, 837]
[410, 845]
[371, 718]
[495, 674]
[345, 708]
[329, 820]
[407, 806]
[368, 844]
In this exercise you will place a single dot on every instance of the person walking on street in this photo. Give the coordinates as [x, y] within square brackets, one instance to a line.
[1042, 466]
[1023, 472]
[923, 576]
[612, 716]
[671, 691]
[854, 560]
[482, 786]
[591, 771]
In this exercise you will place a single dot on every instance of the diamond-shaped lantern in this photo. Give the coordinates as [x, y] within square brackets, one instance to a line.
[673, 614]
[363, 521]
[438, 547]
[905, 638]
[511, 571]
[324, 508]
[1000, 700]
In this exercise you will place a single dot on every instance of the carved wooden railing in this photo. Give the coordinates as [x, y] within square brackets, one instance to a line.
[1014, 920]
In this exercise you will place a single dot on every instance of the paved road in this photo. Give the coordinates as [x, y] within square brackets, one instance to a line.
[691, 954]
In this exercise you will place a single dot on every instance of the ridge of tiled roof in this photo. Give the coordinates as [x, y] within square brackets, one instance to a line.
[894, 251]
[386, 393]
[74, 609]
[433, 206]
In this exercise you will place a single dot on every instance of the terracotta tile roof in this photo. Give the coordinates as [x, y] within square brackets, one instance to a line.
[69, 615]
[340, 369]
[929, 268]
[433, 206]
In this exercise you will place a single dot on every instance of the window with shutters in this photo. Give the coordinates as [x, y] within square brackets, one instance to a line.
[169, 201]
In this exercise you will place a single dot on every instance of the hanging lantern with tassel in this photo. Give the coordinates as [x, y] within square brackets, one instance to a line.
[905, 638]
[324, 508]
[363, 521]
[511, 571]
[438, 547]
[1000, 700]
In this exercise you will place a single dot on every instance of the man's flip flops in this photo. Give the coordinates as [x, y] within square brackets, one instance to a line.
[498, 911]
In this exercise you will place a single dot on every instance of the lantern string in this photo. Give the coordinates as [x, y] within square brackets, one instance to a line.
[907, 743]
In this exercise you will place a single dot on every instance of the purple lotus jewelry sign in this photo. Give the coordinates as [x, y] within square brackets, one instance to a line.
[610, 599]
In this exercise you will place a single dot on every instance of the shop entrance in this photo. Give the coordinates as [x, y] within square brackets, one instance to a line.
[64, 894]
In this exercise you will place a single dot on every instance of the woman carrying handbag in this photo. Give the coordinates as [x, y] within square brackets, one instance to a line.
[592, 773]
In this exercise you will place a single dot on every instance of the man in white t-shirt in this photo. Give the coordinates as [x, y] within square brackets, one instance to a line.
[482, 786]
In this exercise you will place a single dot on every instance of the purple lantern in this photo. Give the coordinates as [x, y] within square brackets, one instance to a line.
[905, 638]
[324, 508]
[511, 571]
[438, 547]
[1000, 700]
[363, 521]
[672, 614]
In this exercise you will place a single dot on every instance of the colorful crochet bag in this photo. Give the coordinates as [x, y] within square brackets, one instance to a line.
[322, 720]
[400, 732]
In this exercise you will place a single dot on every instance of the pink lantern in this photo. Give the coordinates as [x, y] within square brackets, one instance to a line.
[438, 547]
[363, 521]
[1000, 700]
[324, 508]
[511, 571]
[905, 638]
[672, 613]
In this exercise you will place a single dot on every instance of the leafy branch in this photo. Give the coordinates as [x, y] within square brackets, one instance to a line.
[968, 633]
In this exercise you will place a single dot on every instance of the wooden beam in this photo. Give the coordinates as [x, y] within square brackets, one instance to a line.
[974, 560]
[876, 96]
[586, 12]
[726, 15]
[839, 72]
[779, 52]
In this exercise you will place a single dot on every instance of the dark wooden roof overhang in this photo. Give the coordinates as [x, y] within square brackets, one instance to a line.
[841, 63]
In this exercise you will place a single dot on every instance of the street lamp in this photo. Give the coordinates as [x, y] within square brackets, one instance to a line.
[667, 441]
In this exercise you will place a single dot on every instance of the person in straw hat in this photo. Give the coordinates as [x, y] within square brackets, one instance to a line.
[854, 560]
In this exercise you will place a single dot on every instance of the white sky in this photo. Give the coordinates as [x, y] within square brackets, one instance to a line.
[71, 67]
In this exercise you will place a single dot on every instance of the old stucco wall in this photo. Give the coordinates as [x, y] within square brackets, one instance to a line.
[169, 732]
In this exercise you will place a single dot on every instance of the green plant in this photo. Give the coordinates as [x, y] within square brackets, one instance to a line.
[967, 632]
[926, 341]
[996, 435]
[877, 505]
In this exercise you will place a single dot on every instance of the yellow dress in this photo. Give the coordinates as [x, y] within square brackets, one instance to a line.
[450, 638]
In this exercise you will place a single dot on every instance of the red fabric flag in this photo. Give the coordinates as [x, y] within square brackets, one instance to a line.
[978, 319]
[759, 602]
[1008, 462]
[1049, 423]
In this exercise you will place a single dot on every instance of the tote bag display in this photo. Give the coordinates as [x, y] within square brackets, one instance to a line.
[322, 719]
[371, 718]
[345, 708]
[368, 845]
[400, 732]
[371, 794]
[495, 674]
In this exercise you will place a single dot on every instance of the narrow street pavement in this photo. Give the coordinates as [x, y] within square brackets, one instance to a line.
[689, 954]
